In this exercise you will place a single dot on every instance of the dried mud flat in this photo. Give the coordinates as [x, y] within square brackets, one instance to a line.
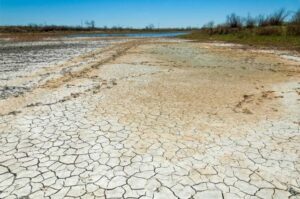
[148, 118]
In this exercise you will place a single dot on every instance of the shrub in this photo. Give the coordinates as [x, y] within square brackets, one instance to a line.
[269, 30]
[293, 29]
[224, 29]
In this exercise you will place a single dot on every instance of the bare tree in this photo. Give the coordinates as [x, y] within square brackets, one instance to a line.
[90, 24]
[250, 22]
[209, 25]
[296, 18]
[93, 24]
[278, 17]
[261, 21]
[234, 21]
[150, 27]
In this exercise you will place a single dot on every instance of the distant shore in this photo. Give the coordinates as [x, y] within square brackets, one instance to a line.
[27, 33]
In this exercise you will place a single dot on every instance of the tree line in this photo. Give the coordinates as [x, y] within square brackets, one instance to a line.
[86, 26]
[266, 24]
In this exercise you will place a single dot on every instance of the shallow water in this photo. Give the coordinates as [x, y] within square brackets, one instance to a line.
[136, 35]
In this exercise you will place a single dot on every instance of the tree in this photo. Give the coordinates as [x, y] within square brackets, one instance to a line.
[278, 17]
[234, 21]
[250, 22]
[296, 18]
[209, 25]
[90, 24]
[262, 21]
[150, 27]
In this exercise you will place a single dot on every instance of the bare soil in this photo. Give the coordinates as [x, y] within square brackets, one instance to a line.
[148, 117]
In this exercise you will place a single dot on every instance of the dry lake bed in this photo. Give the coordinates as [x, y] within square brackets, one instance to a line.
[148, 118]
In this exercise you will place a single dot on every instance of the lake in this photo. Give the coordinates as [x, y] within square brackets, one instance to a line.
[135, 35]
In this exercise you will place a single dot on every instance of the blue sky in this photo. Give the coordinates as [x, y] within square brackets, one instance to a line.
[133, 13]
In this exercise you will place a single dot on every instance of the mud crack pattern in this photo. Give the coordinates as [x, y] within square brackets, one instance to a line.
[109, 139]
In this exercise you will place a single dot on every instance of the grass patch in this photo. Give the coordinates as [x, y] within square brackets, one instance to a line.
[290, 42]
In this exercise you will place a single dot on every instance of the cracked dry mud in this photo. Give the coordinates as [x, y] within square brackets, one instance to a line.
[148, 118]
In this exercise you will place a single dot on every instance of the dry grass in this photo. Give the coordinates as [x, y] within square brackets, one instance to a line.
[260, 37]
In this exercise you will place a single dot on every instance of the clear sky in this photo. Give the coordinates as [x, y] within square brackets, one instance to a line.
[133, 13]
